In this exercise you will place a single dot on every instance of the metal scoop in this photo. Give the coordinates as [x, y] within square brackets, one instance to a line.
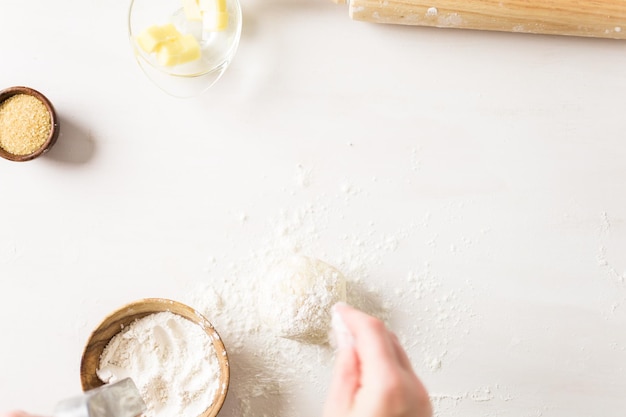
[119, 399]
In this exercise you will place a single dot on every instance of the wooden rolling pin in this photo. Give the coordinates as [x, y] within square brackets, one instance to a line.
[592, 18]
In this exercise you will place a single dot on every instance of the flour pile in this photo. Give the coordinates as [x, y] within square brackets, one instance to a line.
[171, 360]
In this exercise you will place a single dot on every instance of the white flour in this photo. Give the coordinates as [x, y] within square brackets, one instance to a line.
[171, 360]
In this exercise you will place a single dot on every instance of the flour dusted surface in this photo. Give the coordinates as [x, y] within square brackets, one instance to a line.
[272, 376]
[171, 360]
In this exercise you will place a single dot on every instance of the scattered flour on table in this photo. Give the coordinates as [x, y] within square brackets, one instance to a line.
[268, 371]
[608, 258]
[171, 360]
[303, 177]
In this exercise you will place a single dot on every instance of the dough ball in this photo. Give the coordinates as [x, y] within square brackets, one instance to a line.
[299, 297]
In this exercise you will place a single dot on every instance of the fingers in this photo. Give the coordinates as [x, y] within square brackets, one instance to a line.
[372, 342]
[344, 384]
[373, 375]
[376, 343]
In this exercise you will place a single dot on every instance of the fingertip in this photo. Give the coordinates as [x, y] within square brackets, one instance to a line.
[340, 336]
[349, 314]
[372, 342]
[339, 307]
[358, 321]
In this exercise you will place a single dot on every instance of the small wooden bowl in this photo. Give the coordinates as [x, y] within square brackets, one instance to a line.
[54, 130]
[123, 317]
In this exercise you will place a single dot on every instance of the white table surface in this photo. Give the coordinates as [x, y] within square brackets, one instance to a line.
[489, 168]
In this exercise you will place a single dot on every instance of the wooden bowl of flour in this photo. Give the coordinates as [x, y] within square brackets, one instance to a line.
[120, 320]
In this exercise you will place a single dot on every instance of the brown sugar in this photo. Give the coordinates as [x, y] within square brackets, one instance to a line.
[25, 124]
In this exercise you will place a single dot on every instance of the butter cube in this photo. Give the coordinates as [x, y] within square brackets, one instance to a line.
[214, 21]
[179, 51]
[152, 37]
[192, 10]
[212, 5]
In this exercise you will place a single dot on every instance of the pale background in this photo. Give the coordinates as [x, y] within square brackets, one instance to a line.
[492, 165]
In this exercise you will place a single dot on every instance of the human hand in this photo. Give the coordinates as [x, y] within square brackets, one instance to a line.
[372, 376]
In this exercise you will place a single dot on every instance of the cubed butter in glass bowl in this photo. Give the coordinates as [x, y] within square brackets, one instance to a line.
[184, 46]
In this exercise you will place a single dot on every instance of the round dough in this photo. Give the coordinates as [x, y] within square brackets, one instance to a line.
[301, 293]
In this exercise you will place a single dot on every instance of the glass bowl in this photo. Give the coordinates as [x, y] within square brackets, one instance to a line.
[217, 48]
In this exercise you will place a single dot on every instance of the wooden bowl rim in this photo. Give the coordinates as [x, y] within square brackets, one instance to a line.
[87, 376]
[54, 123]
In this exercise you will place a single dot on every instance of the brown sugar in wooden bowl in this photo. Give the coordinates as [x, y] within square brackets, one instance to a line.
[125, 316]
[28, 124]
